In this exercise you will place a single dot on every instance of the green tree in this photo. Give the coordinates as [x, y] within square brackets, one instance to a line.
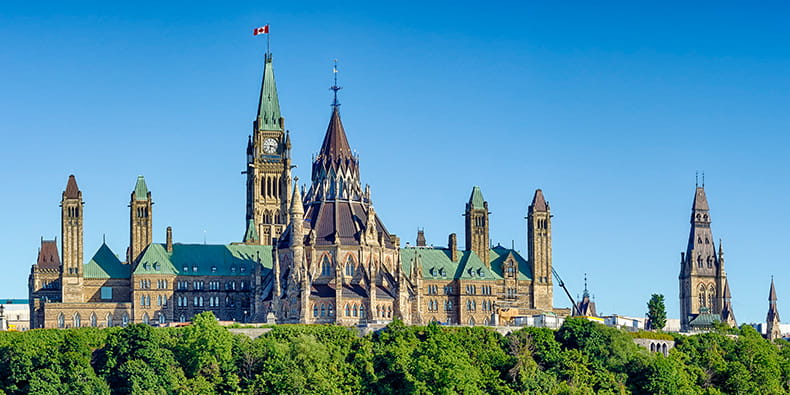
[656, 312]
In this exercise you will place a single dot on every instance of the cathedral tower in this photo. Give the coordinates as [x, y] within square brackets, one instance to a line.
[268, 166]
[140, 220]
[477, 225]
[539, 249]
[71, 236]
[702, 277]
[773, 331]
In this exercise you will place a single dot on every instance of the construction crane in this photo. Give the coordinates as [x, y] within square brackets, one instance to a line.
[575, 310]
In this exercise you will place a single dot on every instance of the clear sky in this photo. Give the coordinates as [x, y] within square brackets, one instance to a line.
[610, 108]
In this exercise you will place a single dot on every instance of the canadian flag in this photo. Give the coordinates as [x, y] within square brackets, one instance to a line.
[260, 30]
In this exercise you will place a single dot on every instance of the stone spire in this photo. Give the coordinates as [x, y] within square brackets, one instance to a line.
[772, 319]
[727, 315]
[268, 103]
[702, 277]
[539, 202]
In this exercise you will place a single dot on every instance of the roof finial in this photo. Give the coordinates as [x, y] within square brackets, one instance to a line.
[334, 87]
[703, 178]
[696, 179]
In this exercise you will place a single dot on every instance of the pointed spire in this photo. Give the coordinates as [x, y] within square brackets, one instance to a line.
[335, 145]
[297, 206]
[727, 294]
[140, 189]
[476, 200]
[539, 202]
[700, 200]
[772, 292]
[72, 190]
[268, 103]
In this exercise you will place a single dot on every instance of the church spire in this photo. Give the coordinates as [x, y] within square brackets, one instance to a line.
[268, 103]
[772, 319]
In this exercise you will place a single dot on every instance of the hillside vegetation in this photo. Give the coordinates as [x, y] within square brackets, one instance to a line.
[204, 358]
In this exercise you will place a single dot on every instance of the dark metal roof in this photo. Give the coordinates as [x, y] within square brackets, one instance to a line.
[538, 202]
[48, 257]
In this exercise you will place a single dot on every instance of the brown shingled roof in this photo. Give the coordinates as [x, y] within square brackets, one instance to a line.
[48, 257]
[538, 202]
[72, 190]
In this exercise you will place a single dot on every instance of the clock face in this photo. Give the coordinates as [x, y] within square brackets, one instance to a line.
[269, 145]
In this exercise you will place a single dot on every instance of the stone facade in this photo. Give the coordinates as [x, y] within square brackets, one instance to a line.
[703, 281]
[320, 254]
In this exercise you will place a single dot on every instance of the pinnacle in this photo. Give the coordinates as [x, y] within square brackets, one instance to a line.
[140, 189]
[476, 200]
[269, 103]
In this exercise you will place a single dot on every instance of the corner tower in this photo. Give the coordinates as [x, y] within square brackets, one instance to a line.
[71, 236]
[140, 219]
[477, 225]
[539, 246]
[702, 277]
[268, 166]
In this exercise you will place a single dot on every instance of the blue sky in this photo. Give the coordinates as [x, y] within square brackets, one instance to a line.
[610, 108]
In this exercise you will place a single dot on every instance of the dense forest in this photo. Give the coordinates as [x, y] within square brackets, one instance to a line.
[203, 358]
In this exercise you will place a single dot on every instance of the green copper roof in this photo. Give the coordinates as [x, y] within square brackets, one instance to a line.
[436, 264]
[704, 320]
[105, 264]
[269, 103]
[204, 259]
[140, 189]
[251, 236]
[476, 200]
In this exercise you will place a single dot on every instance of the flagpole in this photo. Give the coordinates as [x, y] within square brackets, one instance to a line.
[268, 52]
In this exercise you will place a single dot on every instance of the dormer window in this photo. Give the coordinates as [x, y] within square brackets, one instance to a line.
[213, 269]
[233, 269]
[186, 268]
[194, 269]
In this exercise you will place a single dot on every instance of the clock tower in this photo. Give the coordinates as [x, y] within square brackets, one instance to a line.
[268, 166]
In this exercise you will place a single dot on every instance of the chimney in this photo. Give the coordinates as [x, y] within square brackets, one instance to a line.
[420, 237]
[452, 244]
[169, 245]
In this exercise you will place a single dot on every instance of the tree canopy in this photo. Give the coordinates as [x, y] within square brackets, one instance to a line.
[205, 358]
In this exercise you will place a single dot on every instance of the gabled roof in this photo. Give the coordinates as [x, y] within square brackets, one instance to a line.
[436, 264]
[251, 235]
[72, 190]
[704, 320]
[140, 189]
[105, 264]
[204, 259]
[268, 103]
[476, 200]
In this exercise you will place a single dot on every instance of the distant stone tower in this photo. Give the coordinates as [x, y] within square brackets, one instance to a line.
[702, 277]
[773, 331]
[539, 249]
[268, 166]
[71, 236]
[477, 225]
[727, 315]
[140, 220]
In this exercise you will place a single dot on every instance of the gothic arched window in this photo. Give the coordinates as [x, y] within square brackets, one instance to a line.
[145, 318]
[94, 321]
[108, 319]
[362, 310]
[702, 298]
[699, 261]
[711, 296]
[77, 320]
[348, 310]
[161, 318]
[331, 309]
[326, 267]
[323, 310]
[61, 321]
[125, 319]
[315, 310]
